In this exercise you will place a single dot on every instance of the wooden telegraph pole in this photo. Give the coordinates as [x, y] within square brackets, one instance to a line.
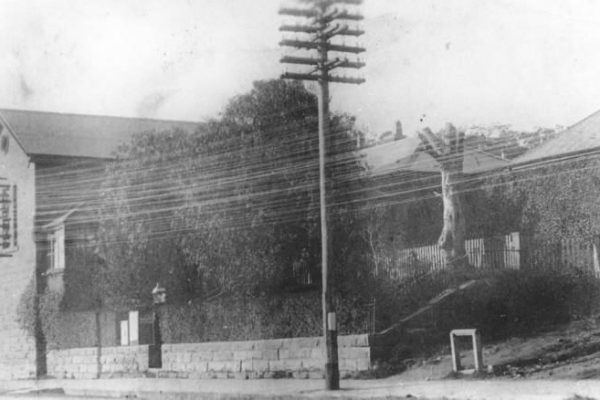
[323, 20]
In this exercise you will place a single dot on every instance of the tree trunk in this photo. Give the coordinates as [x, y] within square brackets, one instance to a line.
[447, 148]
[452, 239]
[41, 345]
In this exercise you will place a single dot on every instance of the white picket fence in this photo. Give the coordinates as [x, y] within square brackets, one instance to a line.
[508, 251]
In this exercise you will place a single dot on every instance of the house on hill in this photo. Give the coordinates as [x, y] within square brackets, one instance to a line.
[580, 139]
[51, 167]
[561, 181]
[405, 181]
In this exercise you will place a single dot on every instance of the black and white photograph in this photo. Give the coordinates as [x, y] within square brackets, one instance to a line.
[300, 199]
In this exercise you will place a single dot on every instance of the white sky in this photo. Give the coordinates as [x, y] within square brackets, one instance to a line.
[523, 62]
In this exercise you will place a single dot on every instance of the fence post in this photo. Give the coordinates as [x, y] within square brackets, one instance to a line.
[595, 256]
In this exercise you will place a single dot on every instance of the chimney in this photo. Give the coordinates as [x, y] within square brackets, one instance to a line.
[399, 135]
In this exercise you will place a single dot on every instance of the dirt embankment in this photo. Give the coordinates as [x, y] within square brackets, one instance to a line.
[567, 352]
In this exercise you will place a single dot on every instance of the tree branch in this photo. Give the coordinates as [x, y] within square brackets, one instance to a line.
[450, 137]
[430, 143]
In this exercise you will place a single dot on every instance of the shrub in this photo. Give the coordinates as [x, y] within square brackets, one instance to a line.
[282, 315]
[48, 305]
[26, 309]
[509, 303]
[522, 302]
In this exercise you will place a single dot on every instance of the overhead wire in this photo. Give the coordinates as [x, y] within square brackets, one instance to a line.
[200, 179]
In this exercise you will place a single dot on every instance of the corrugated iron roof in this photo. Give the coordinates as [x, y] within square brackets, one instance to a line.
[581, 137]
[79, 135]
[402, 155]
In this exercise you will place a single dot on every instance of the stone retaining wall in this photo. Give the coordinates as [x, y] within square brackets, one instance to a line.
[275, 358]
[82, 363]
[297, 357]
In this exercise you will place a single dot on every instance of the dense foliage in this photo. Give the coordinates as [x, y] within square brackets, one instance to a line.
[562, 199]
[229, 215]
[232, 210]
[227, 219]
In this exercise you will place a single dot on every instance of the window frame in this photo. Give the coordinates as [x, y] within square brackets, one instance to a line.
[56, 248]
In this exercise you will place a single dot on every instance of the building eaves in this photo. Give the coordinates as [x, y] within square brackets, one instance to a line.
[42, 133]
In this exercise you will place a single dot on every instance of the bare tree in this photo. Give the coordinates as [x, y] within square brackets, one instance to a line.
[447, 148]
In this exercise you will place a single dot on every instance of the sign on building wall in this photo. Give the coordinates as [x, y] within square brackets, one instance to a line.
[8, 217]
[124, 325]
[133, 327]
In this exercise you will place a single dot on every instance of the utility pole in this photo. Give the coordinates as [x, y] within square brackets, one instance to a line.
[323, 20]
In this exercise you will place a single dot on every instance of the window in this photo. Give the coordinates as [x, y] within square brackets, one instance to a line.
[56, 248]
[8, 218]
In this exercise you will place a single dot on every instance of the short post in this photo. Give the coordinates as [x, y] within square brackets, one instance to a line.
[159, 297]
[455, 354]
[332, 371]
[477, 352]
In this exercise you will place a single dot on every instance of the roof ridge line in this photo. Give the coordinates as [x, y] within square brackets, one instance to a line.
[532, 155]
[595, 113]
[71, 114]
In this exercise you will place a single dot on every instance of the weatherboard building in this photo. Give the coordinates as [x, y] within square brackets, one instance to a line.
[42, 156]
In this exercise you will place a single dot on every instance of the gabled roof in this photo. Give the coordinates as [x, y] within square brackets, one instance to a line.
[581, 137]
[383, 158]
[402, 155]
[78, 135]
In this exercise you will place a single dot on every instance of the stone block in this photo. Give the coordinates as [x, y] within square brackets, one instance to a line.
[109, 350]
[354, 352]
[201, 356]
[285, 365]
[216, 366]
[242, 345]
[266, 354]
[255, 365]
[199, 366]
[222, 355]
[313, 363]
[243, 354]
[318, 353]
[295, 343]
[269, 344]
[346, 364]
[185, 357]
[220, 346]
[295, 353]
